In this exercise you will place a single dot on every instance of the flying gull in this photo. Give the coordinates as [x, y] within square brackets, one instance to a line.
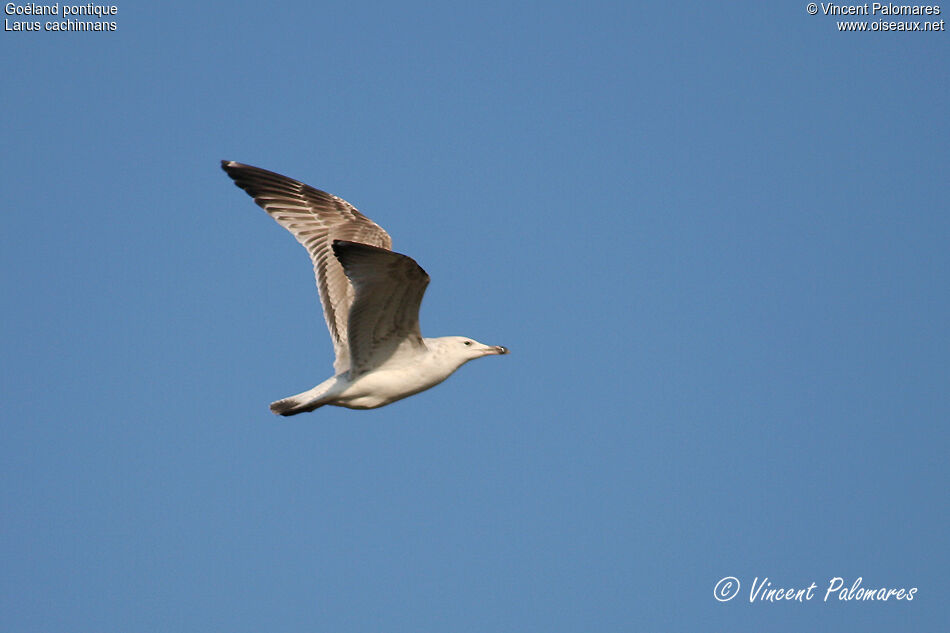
[370, 298]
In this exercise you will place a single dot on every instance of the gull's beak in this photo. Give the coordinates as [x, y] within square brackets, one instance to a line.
[497, 349]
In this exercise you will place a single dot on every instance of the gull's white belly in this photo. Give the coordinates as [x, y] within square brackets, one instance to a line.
[382, 386]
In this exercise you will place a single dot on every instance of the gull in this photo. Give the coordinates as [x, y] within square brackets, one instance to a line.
[370, 297]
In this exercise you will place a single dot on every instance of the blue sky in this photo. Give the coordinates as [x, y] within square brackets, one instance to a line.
[714, 236]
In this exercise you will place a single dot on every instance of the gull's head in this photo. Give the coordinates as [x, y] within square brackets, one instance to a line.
[468, 349]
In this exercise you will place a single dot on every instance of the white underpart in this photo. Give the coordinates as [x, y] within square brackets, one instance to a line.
[401, 377]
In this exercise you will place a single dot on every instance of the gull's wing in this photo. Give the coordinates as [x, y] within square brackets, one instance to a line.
[384, 318]
[315, 218]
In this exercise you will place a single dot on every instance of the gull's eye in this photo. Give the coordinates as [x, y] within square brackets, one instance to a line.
[468, 342]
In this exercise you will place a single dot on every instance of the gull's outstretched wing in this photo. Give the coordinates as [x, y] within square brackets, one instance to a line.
[384, 317]
[316, 219]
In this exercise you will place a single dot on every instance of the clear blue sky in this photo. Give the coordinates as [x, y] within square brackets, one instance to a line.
[715, 236]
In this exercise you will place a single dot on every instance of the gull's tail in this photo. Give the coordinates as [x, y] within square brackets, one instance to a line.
[306, 401]
[294, 405]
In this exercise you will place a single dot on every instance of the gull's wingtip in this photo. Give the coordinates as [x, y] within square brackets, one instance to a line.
[340, 247]
[234, 169]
